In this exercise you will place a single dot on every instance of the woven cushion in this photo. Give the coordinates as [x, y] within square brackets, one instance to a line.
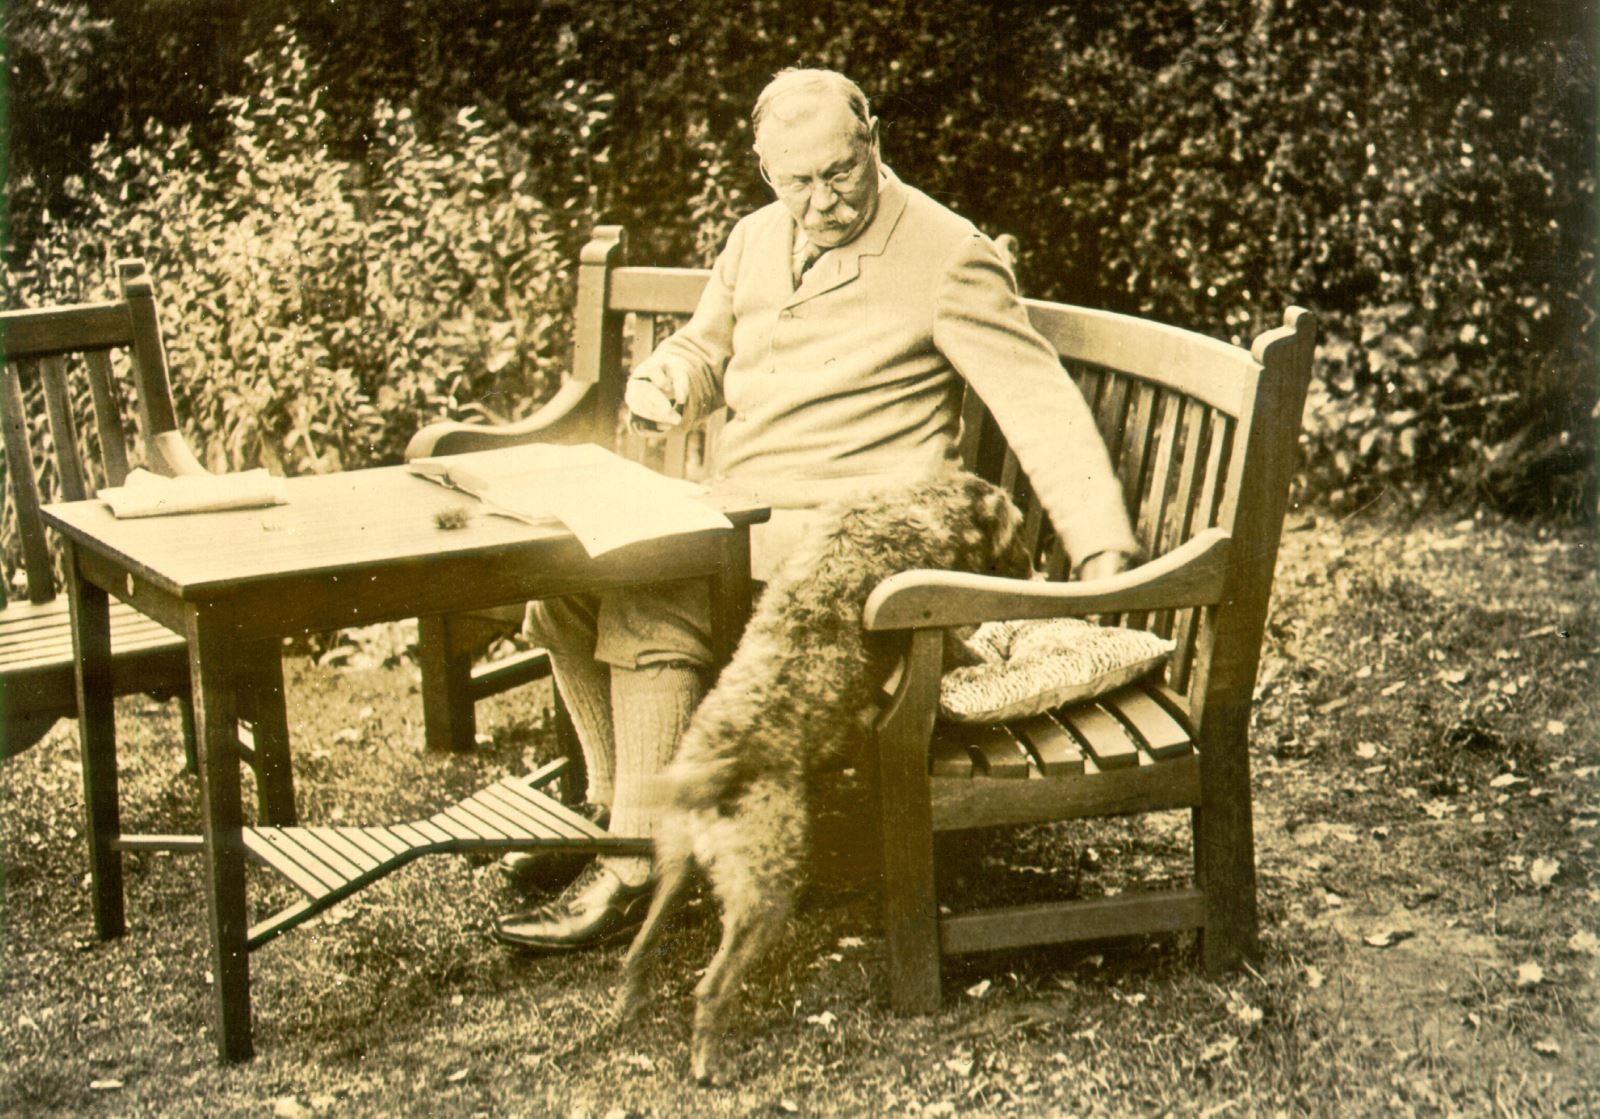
[1033, 666]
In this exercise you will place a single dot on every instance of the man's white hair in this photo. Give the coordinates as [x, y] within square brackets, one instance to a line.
[795, 80]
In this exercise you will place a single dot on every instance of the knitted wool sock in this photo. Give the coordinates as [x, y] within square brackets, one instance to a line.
[650, 707]
[585, 687]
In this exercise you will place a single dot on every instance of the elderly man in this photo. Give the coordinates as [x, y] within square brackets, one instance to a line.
[837, 327]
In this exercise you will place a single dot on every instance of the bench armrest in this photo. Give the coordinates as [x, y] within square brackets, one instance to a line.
[1191, 575]
[568, 411]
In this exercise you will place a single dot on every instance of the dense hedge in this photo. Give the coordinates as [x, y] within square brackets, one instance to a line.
[1422, 175]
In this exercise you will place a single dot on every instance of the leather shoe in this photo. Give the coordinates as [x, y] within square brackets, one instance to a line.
[552, 868]
[596, 909]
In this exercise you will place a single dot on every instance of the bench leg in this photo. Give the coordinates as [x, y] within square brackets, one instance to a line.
[1225, 860]
[905, 820]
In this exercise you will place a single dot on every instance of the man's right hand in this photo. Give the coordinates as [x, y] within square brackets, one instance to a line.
[655, 396]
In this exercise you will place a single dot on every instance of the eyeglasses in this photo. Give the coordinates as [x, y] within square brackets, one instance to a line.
[801, 186]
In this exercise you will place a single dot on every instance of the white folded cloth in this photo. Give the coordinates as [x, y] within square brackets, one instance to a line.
[144, 494]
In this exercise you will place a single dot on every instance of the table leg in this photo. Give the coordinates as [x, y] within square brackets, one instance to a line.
[214, 673]
[730, 596]
[262, 685]
[97, 736]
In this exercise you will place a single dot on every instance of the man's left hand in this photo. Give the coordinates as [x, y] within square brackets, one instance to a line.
[1104, 565]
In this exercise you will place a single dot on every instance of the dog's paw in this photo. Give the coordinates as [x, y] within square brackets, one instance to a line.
[707, 1062]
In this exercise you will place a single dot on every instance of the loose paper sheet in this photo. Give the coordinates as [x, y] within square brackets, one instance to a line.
[604, 500]
[144, 494]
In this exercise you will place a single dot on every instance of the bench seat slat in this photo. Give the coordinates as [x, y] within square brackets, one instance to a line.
[1163, 736]
[998, 753]
[1102, 736]
[1054, 750]
[948, 756]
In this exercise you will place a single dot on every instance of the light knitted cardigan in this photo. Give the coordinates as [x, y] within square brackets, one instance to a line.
[853, 380]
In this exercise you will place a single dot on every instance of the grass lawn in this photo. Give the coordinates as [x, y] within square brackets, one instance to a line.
[1426, 753]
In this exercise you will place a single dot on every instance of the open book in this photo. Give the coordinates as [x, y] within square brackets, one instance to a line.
[603, 499]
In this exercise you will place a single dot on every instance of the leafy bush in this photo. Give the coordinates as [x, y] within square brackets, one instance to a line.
[1420, 175]
[317, 311]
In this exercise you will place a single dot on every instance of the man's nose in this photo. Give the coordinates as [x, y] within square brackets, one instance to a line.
[829, 196]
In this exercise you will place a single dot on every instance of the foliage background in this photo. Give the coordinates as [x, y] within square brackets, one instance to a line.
[363, 215]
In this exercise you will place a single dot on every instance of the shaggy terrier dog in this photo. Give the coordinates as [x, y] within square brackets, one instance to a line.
[797, 697]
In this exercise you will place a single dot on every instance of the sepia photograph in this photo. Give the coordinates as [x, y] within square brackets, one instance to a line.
[606, 559]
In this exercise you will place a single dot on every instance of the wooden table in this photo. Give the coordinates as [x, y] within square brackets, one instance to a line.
[348, 549]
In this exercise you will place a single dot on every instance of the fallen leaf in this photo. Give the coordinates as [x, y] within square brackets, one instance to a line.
[851, 942]
[961, 1066]
[1544, 871]
[1314, 978]
[1459, 676]
[1387, 938]
[788, 1105]
[1366, 749]
[456, 1077]
[978, 989]
[1218, 1050]
[1397, 686]
[639, 1061]
[1549, 1046]
[1529, 974]
[826, 1020]
[1555, 727]
[1584, 941]
[1247, 1014]
[1506, 780]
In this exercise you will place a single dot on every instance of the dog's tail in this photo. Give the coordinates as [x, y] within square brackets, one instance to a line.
[674, 866]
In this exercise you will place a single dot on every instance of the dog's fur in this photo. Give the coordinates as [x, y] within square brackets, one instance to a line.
[797, 697]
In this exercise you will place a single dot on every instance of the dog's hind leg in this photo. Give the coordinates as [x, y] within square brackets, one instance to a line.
[673, 872]
[750, 925]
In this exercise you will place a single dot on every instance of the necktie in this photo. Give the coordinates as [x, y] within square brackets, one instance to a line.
[805, 255]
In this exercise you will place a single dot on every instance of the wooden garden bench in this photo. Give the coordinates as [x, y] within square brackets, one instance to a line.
[1203, 434]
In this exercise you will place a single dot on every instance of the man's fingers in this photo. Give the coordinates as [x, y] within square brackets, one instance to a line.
[646, 400]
